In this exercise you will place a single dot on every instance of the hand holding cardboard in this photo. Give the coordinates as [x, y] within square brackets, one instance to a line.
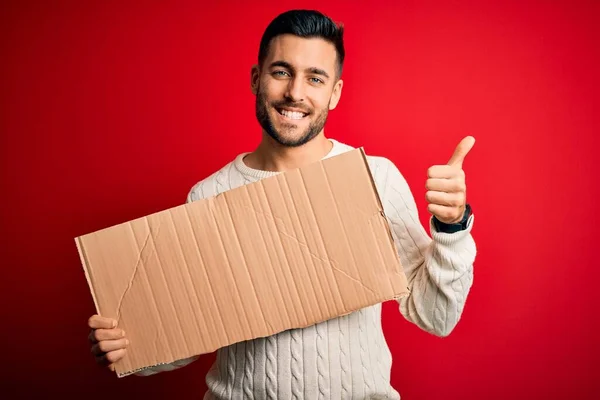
[109, 344]
[446, 188]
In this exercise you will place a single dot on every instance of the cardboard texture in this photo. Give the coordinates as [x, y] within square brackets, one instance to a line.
[285, 252]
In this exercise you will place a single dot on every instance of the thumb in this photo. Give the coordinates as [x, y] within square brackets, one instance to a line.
[461, 151]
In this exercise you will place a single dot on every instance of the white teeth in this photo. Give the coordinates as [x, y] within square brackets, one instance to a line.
[292, 114]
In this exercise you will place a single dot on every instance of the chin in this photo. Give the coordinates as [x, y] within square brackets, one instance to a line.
[288, 131]
[291, 139]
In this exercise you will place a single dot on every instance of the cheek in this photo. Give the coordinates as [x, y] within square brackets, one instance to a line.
[273, 89]
[319, 98]
[321, 102]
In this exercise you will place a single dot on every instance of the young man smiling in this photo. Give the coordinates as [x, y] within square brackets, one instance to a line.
[297, 81]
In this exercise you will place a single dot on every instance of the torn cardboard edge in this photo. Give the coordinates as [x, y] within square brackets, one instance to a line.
[98, 302]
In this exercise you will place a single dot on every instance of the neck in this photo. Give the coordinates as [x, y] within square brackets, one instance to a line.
[272, 156]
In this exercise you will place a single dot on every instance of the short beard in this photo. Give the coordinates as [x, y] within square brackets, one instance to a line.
[314, 128]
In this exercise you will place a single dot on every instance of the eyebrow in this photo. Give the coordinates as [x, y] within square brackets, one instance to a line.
[312, 70]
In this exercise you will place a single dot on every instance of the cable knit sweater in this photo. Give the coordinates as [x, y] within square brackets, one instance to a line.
[346, 357]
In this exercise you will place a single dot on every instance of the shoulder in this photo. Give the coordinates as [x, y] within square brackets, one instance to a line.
[212, 185]
[385, 173]
[392, 187]
[377, 163]
[394, 192]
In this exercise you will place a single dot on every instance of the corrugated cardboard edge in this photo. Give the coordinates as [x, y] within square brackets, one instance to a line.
[135, 371]
[85, 264]
[383, 215]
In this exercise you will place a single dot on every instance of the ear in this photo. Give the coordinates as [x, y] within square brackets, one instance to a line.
[254, 79]
[337, 93]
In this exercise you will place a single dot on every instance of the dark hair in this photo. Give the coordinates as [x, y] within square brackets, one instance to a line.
[305, 24]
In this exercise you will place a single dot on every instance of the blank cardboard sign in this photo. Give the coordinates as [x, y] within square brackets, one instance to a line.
[285, 252]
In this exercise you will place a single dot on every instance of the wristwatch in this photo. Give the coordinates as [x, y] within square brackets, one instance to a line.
[452, 228]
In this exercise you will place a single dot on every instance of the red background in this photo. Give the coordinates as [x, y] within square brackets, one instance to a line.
[111, 110]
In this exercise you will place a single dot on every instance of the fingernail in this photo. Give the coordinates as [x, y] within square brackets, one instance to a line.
[114, 324]
[126, 342]
[122, 333]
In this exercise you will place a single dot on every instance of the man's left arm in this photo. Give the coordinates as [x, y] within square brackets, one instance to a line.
[439, 268]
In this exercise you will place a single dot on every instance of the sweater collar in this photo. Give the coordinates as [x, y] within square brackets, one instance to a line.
[239, 164]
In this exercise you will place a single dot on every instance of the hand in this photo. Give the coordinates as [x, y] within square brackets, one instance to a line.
[446, 188]
[108, 342]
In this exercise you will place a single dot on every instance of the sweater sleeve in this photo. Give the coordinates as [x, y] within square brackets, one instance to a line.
[439, 268]
[166, 367]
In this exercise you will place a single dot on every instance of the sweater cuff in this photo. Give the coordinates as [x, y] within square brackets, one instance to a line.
[450, 239]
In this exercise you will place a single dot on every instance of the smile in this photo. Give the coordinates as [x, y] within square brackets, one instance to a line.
[295, 115]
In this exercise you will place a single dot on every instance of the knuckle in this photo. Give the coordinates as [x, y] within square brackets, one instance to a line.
[114, 356]
[431, 197]
[103, 346]
[111, 357]
[457, 185]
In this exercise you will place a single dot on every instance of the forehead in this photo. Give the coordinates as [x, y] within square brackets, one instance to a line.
[302, 53]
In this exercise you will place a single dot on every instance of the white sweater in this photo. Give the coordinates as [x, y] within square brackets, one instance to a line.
[346, 357]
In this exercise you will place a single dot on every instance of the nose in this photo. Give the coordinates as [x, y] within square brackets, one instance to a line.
[295, 90]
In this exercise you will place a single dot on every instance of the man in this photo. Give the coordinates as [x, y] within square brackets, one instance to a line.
[297, 81]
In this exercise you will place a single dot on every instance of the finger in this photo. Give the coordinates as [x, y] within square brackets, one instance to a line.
[116, 355]
[98, 322]
[444, 172]
[445, 185]
[111, 358]
[461, 151]
[92, 336]
[97, 335]
[107, 346]
[445, 199]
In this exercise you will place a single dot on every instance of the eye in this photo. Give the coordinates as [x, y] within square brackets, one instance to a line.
[316, 80]
[280, 73]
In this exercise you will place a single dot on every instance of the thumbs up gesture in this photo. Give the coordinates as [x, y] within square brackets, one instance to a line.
[446, 188]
